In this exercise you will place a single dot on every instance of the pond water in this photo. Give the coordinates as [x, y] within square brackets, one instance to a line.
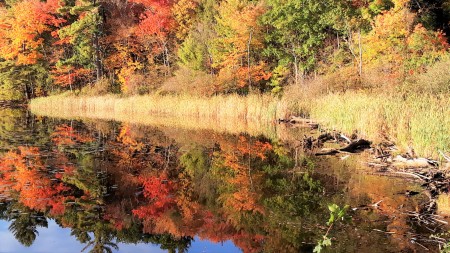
[106, 186]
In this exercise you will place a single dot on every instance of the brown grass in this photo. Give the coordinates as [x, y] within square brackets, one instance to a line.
[254, 114]
[407, 114]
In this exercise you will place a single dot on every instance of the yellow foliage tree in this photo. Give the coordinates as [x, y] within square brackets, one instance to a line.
[398, 45]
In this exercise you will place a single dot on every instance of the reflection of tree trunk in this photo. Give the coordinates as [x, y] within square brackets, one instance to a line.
[70, 81]
[27, 95]
[166, 55]
[29, 119]
[338, 42]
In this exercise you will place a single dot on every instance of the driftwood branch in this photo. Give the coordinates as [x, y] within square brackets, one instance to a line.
[346, 138]
[327, 152]
[412, 174]
[446, 157]
[353, 147]
[360, 144]
[299, 121]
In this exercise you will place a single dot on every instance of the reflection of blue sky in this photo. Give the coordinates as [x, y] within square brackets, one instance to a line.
[199, 246]
[57, 239]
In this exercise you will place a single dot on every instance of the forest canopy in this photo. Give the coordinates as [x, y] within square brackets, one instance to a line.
[207, 47]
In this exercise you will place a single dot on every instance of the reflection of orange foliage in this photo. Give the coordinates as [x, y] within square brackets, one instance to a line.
[125, 138]
[66, 135]
[164, 224]
[257, 148]
[387, 191]
[215, 228]
[131, 159]
[184, 199]
[249, 242]
[246, 196]
[27, 174]
[158, 191]
[114, 216]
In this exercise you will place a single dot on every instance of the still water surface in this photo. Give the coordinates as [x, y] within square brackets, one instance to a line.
[102, 186]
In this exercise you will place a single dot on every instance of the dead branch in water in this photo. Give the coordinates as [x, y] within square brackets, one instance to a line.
[353, 147]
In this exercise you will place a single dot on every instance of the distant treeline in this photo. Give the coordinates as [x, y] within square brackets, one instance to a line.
[206, 47]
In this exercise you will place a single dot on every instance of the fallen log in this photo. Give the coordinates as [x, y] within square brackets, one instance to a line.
[300, 121]
[327, 152]
[400, 161]
[324, 137]
[355, 146]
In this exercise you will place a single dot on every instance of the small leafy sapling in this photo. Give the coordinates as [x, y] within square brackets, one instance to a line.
[336, 214]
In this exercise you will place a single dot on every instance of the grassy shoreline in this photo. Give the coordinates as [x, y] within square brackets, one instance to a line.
[419, 122]
[232, 114]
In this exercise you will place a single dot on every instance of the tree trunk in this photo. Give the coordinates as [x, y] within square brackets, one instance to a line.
[294, 55]
[248, 59]
[28, 92]
[296, 69]
[98, 63]
[360, 53]
[97, 60]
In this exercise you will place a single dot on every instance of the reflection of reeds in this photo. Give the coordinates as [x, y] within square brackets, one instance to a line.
[254, 114]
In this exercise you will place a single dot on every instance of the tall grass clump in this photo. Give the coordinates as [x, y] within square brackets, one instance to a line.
[421, 122]
[251, 113]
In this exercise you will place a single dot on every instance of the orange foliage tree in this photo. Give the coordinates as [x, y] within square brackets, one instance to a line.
[24, 27]
[154, 28]
[239, 44]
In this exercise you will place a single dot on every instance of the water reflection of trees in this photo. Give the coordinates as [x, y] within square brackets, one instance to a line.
[126, 184]
[24, 222]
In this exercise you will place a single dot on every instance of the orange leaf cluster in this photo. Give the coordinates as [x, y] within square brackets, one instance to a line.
[27, 175]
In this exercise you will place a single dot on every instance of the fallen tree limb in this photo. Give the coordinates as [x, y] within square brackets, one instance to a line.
[346, 138]
[327, 152]
[400, 161]
[446, 157]
[412, 174]
[353, 147]
[358, 145]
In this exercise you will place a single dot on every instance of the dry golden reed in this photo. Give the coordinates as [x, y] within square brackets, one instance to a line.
[254, 114]
[421, 122]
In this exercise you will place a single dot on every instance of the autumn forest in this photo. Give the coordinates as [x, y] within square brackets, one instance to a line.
[183, 125]
[207, 47]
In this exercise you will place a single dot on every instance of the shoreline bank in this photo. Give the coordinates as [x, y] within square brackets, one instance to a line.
[416, 122]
